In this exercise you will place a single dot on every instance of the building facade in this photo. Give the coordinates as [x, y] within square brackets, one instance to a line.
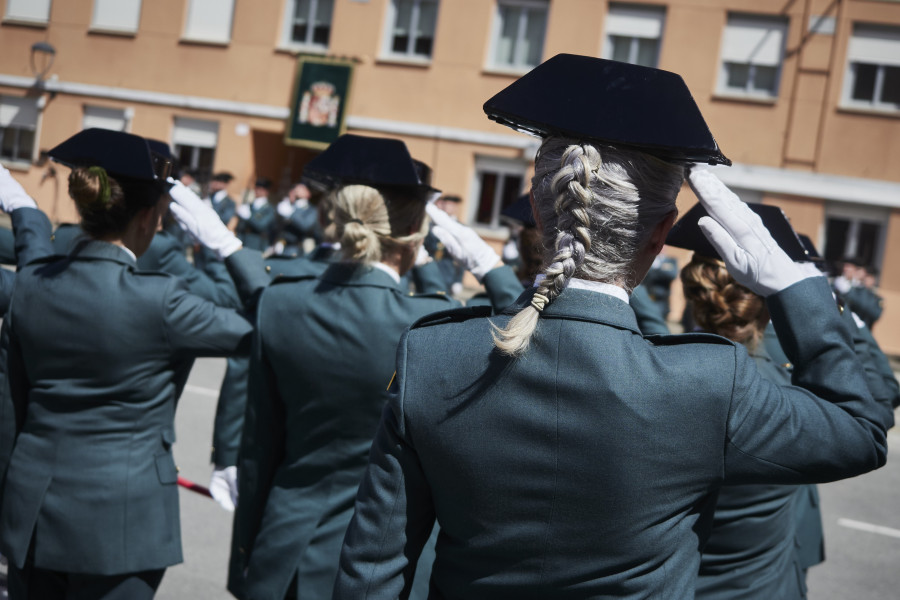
[803, 96]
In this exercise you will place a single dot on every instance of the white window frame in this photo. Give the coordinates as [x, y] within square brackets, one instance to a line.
[195, 134]
[874, 45]
[503, 167]
[116, 16]
[762, 36]
[634, 21]
[103, 117]
[198, 12]
[518, 66]
[28, 12]
[857, 214]
[20, 121]
[287, 26]
[390, 26]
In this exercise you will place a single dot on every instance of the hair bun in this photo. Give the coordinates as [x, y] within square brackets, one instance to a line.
[91, 187]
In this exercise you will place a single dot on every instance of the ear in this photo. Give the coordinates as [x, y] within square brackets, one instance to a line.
[661, 232]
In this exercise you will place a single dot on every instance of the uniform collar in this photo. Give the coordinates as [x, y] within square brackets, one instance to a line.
[584, 305]
[353, 274]
[99, 250]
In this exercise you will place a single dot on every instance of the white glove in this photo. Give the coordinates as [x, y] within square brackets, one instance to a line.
[224, 488]
[285, 208]
[842, 284]
[243, 211]
[462, 243]
[422, 257]
[750, 253]
[12, 194]
[202, 222]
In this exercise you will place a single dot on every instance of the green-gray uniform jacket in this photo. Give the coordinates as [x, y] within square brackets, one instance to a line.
[751, 552]
[320, 369]
[589, 467]
[31, 240]
[31, 229]
[94, 348]
[865, 303]
[256, 232]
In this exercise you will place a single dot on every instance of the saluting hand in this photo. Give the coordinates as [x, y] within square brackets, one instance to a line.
[462, 243]
[12, 194]
[201, 221]
[751, 254]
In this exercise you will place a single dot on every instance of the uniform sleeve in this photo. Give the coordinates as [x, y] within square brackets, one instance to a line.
[502, 286]
[428, 279]
[394, 512]
[650, 320]
[197, 327]
[261, 452]
[248, 272]
[33, 234]
[826, 428]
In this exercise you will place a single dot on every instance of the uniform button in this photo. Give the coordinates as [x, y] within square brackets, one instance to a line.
[177, 470]
[268, 269]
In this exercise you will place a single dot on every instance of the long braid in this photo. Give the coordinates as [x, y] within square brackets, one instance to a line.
[597, 206]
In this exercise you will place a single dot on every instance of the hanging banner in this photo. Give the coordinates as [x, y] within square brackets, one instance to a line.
[319, 106]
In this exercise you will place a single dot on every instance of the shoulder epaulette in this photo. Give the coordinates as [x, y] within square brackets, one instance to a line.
[43, 260]
[688, 338]
[454, 315]
[282, 278]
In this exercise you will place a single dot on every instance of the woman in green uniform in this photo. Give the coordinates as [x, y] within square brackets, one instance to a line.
[90, 504]
[562, 453]
[321, 367]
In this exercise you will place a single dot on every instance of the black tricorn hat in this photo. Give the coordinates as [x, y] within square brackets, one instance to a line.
[521, 211]
[810, 248]
[611, 102]
[369, 161]
[120, 154]
[686, 233]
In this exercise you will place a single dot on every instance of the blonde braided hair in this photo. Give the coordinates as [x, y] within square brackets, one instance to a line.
[598, 206]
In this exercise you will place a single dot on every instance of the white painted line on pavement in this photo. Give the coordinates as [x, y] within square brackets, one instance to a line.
[880, 530]
[203, 391]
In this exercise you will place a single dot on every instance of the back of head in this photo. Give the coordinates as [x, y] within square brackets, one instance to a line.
[722, 306]
[114, 175]
[597, 206]
[370, 222]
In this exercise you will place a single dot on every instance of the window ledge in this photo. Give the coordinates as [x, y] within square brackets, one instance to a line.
[874, 111]
[25, 22]
[404, 61]
[506, 71]
[749, 99]
[126, 33]
[297, 49]
[16, 165]
[203, 42]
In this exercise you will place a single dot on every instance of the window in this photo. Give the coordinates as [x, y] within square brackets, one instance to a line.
[116, 15]
[853, 231]
[307, 23]
[195, 146]
[105, 118]
[209, 21]
[873, 68]
[412, 28]
[633, 33]
[752, 51]
[518, 39]
[498, 184]
[28, 11]
[18, 123]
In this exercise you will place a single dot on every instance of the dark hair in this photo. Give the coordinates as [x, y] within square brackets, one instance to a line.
[107, 205]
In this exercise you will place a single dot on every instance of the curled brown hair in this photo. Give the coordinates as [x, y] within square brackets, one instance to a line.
[106, 205]
[722, 306]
